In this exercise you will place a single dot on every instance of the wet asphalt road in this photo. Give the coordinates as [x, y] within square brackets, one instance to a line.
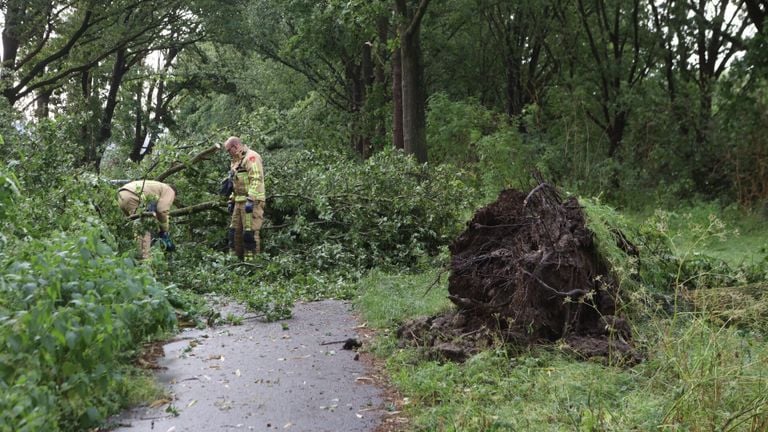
[265, 376]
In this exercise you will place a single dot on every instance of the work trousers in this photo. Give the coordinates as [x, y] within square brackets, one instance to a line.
[249, 225]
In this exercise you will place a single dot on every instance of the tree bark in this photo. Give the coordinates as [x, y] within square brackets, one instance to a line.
[364, 147]
[42, 104]
[138, 128]
[380, 79]
[95, 151]
[397, 100]
[413, 86]
[14, 13]
[156, 101]
[414, 97]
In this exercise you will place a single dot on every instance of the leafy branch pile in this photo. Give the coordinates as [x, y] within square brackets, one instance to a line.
[387, 210]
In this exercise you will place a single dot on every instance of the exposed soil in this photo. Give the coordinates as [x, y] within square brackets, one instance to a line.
[526, 270]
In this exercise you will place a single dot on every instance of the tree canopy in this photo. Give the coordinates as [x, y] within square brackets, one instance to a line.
[604, 95]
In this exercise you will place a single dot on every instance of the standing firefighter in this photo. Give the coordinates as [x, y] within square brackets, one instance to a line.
[246, 203]
[152, 196]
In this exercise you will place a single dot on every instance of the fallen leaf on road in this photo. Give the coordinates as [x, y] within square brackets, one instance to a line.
[159, 402]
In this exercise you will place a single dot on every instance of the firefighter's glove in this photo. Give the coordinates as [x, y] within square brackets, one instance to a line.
[152, 207]
[165, 239]
[231, 207]
[249, 206]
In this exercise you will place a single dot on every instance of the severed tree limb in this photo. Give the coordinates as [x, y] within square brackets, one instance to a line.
[181, 165]
[197, 208]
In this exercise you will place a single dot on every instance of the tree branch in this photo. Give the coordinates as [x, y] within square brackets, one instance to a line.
[182, 165]
[184, 211]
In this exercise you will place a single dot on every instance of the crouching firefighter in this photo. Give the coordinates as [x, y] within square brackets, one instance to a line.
[246, 202]
[154, 197]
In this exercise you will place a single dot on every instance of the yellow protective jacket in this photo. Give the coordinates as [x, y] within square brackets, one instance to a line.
[142, 192]
[248, 177]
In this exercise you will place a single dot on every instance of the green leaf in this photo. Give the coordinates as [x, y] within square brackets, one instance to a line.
[72, 339]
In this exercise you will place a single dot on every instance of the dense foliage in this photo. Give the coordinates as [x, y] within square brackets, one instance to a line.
[632, 100]
[71, 314]
[383, 125]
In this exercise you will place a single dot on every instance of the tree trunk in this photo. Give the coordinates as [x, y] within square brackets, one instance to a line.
[42, 104]
[413, 86]
[156, 105]
[380, 79]
[615, 132]
[514, 102]
[138, 128]
[14, 13]
[87, 133]
[105, 125]
[397, 100]
[757, 10]
[366, 69]
[355, 90]
[414, 97]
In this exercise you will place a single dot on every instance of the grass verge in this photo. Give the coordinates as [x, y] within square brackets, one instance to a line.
[698, 377]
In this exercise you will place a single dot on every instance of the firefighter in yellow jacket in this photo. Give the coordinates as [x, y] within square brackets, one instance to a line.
[246, 203]
[152, 196]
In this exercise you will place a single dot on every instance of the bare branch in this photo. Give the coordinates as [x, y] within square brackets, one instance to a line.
[180, 166]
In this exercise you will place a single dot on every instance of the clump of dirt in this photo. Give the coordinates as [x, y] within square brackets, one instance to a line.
[526, 270]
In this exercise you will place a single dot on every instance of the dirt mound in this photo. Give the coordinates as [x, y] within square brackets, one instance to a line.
[526, 270]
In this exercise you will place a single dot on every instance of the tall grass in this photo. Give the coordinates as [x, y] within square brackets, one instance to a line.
[706, 365]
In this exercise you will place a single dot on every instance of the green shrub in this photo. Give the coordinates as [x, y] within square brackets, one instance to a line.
[71, 311]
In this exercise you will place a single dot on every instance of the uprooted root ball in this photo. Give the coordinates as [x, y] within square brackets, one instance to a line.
[526, 270]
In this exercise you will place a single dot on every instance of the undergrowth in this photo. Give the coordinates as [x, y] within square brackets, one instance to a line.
[74, 314]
